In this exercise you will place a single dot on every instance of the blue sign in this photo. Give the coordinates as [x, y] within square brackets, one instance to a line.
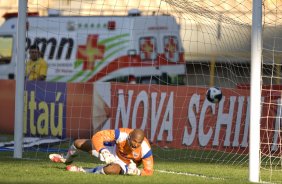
[45, 109]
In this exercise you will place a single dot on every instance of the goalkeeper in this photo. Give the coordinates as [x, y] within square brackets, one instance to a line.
[123, 150]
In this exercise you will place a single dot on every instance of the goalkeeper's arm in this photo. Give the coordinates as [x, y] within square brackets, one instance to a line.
[148, 164]
[102, 136]
[98, 140]
[147, 167]
[132, 169]
[105, 155]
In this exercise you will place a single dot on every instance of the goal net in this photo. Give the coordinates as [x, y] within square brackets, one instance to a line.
[147, 64]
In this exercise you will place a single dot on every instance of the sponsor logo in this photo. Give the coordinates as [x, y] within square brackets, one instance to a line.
[44, 112]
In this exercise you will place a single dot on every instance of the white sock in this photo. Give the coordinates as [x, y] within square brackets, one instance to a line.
[72, 152]
[95, 153]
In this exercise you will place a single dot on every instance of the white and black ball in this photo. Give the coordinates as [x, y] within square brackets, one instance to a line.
[214, 94]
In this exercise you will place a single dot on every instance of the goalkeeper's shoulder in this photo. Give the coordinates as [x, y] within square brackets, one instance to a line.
[147, 141]
[146, 148]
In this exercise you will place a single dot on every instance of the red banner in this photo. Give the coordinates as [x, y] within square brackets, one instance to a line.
[181, 117]
[172, 116]
[7, 106]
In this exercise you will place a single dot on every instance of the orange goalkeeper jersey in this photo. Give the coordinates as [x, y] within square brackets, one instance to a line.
[143, 154]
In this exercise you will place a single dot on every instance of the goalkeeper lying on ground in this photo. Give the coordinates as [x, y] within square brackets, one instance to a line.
[122, 149]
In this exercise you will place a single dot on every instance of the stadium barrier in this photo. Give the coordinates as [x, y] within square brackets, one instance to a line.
[172, 116]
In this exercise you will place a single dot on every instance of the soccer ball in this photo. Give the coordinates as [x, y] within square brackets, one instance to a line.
[214, 94]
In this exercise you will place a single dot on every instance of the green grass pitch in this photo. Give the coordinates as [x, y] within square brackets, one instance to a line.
[171, 166]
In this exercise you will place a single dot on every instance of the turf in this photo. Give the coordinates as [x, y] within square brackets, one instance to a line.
[35, 167]
[171, 166]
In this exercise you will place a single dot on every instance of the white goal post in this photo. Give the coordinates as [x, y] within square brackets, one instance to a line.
[255, 96]
[19, 101]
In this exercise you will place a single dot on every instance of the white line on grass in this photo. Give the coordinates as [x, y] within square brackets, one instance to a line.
[189, 174]
[200, 175]
[266, 182]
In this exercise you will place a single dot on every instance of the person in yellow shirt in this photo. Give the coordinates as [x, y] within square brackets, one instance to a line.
[36, 67]
[123, 150]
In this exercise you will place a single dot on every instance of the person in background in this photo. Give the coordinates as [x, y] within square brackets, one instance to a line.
[36, 67]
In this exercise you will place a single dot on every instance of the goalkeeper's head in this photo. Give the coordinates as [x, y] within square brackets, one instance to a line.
[135, 138]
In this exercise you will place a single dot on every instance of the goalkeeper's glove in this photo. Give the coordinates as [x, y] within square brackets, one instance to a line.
[107, 156]
[132, 169]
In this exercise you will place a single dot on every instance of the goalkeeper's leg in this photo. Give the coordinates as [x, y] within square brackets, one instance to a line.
[71, 154]
[79, 144]
[112, 169]
[68, 158]
[96, 170]
[118, 167]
